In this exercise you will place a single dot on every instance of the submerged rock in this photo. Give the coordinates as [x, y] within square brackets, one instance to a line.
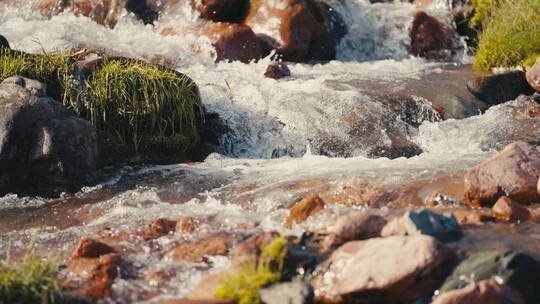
[277, 70]
[221, 10]
[507, 209]
[44, 149]
[442, 227]
[533, 75]
[300, 212]
[483, 292]
[158, 228]
[513, 172]
[383, 270]
[515, 269]
[496, 89]
[429, 37]
[197, 251]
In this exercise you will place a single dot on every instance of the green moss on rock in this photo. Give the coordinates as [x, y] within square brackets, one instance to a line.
[511, 34]
[27, 281]
[243, 285]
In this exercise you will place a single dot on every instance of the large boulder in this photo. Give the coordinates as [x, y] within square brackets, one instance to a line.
[294, 28]
[513, 172]
[484, 292]
[233, 41]
[44, 149]
[383, 270]
[430, 38]
[533, 75]
[221, 10]
[496, 89]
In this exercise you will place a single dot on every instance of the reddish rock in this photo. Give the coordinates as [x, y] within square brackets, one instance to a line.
[277, 70]
[507, 209]
[249, 249]
[533, 75]
[221, 10]
[300, 212]
[187, 225]
[158, 228]
[383, 270]
[513, 172]
[484, 292]
[473, 216]
[429, 37]
[99, 274]
[196, 251]
[292, 29]
[352, 227]
[88, 248]
[233, 42]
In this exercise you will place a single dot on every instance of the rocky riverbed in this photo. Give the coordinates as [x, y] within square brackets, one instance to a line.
[325, 152]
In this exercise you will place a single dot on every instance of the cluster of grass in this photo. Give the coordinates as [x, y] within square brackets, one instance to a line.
[243, 285]
[29, 280]
[141, 105]
[136, 108]
[510, 34]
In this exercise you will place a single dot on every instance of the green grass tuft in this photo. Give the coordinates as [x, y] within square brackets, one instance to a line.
[27, 281]
[243, 285]
[132, 101]
[511, 34]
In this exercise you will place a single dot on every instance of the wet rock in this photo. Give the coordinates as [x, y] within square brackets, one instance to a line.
[44, 149]
[187, 225]
[4, 43]
[249, 249]
[515, 269]
[302, 210]
[295, 292]
[483, 292]
[442, 227]
[456, 107]
[513, 172]
[277, 70]
[473, 217]
[196, 251]
[233, 42]
[158, 228]
[352, 227]
[207, 286]
[508, 210]
[496, 89]
[98, 275]
[429, 37]
[532, 75]
[88, 248]
[383, 270]
[277, 23]
[221, 10]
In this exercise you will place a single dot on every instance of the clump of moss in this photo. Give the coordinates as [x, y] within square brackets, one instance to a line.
[511, 34]
[53, 69]
[29, 280]
[243, 285]
[133, 102]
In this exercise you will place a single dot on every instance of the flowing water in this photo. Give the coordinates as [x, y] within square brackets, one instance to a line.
[330, 129]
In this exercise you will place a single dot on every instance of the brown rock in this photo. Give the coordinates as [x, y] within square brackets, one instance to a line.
[207, 286]
[158, 228]
[533, 75]
[88, 248]
[249, 250]
[352, 227]
[99, 274]
[221, 10]
[473, 216]
[300, 212]
[513, 172]
[277, 70]
[429, 37]
[187, 225]
[483, 292]
[196, 251]
[383, 270]
[279, 23]
[233, 41]
[506, 209]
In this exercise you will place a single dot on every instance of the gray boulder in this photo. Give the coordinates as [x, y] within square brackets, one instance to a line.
[44, 149]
